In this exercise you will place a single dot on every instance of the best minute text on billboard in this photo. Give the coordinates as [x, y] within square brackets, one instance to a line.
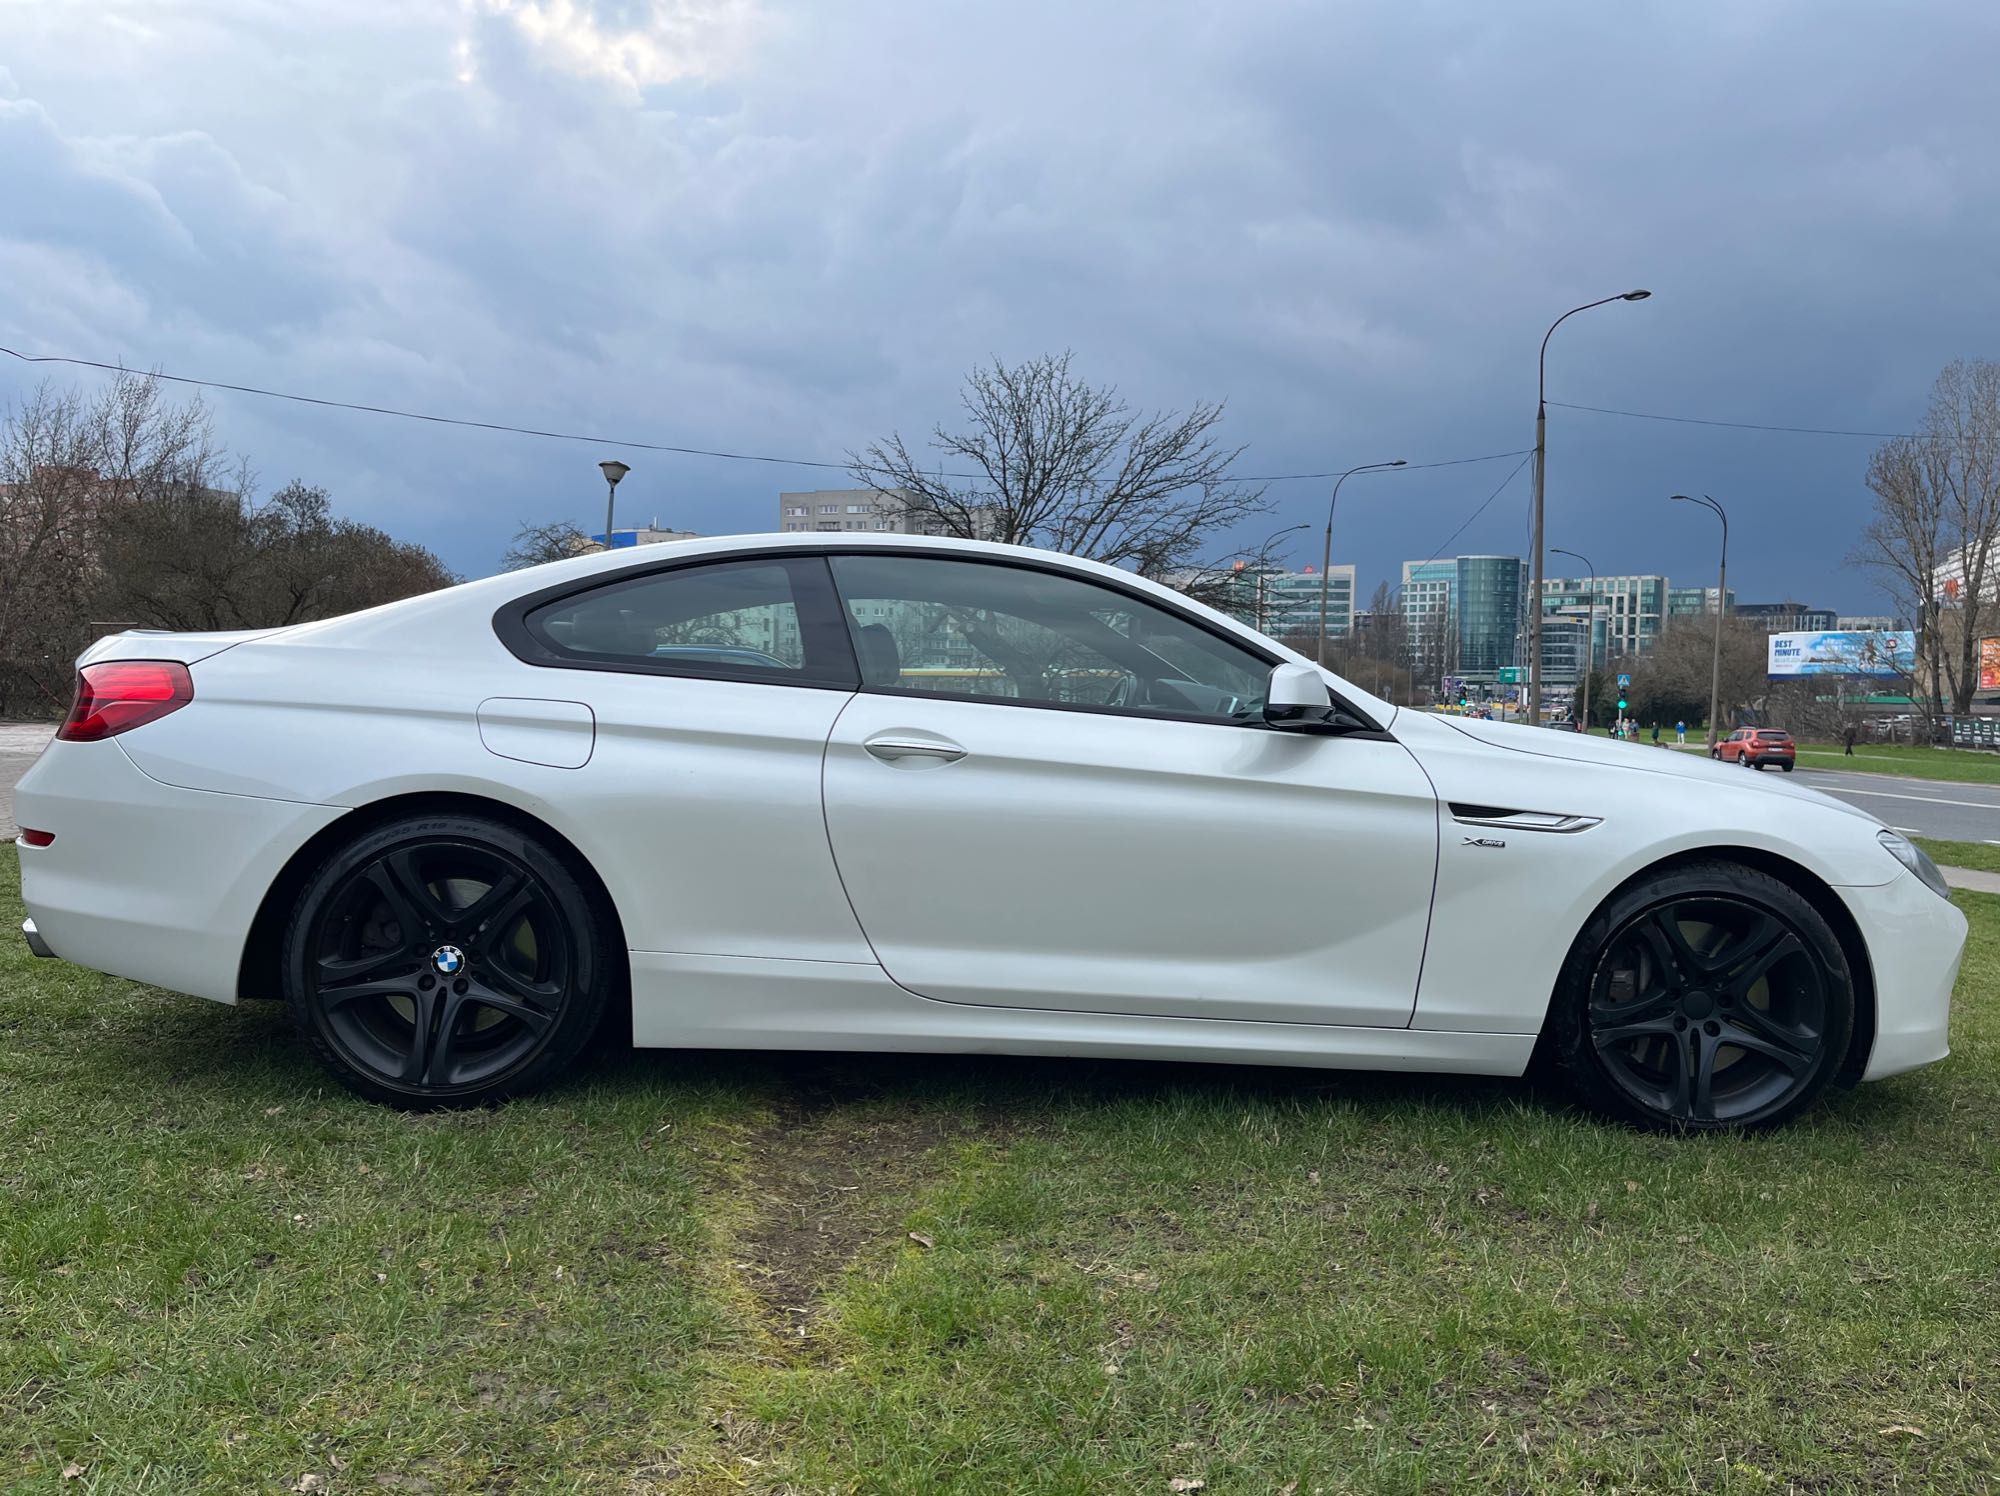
[1879, 653]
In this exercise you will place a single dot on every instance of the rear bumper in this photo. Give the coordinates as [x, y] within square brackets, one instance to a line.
[145, 880]
[1915, 941]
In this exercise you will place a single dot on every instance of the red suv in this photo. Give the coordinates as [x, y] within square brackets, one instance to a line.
[1754, 747]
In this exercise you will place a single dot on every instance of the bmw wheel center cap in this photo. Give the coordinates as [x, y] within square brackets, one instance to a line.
[448, 960]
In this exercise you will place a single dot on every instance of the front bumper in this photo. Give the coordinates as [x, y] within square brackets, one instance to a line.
[1915, 942]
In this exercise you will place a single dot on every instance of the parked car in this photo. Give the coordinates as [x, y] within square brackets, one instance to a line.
[974, 798]
[1754, 747]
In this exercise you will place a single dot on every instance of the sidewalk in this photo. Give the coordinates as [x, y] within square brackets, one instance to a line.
[1971, 879]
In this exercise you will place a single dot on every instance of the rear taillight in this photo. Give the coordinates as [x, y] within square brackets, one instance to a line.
[116, 696]
[33, 838]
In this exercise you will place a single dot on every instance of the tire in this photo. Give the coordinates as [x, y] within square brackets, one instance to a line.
[1787, 767]
[447, 961]
[1676, 966]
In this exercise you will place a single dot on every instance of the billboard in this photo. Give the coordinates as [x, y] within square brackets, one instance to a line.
[1989, 664]
[1872, 652]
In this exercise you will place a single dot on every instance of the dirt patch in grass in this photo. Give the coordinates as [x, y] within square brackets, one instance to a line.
[830, 1176]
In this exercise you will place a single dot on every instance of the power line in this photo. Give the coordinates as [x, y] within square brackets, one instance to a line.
[1481, 509]
[435, 420]
[1647, 415]
[1408, 467]
[601, 441]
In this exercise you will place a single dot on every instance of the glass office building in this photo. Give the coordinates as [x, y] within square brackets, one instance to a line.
[1488, 602]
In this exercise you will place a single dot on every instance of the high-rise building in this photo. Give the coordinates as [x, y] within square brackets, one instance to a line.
[1683, 602]
[846, 509]
[1430, 613]
[1488, 597]
[1285, 604]
[1786, 617]
[1633, 608]
[1462, 617]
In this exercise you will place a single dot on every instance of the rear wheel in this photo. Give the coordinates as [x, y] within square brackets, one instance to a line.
[1703, 998]
[446, 961]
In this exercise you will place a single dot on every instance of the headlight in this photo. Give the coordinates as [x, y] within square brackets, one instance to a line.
[1912, 857]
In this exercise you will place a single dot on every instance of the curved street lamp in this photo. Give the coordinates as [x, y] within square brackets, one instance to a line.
[1589, 629]
[1326, 556]
[1541, 472]
[1721, 607]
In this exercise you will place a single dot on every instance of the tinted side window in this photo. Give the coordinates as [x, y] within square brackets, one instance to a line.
[745, 619]
[996, 632]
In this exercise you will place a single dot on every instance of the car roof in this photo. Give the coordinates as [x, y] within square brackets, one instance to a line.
[398, 623]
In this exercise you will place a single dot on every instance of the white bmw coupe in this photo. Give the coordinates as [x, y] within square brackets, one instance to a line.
[897, 793]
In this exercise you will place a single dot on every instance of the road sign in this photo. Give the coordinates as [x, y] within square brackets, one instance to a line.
[1624, 681]
[1510, 675]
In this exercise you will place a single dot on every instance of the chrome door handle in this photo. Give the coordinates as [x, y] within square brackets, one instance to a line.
[891, 748]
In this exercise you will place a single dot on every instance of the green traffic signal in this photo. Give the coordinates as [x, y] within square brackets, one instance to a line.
[1621, 703]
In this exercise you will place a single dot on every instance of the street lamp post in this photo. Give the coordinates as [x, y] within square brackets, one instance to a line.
[1589, 629]
[1541, 473]
[613, 471]
[1326, 555]
[1263, 551]
[1721, 608]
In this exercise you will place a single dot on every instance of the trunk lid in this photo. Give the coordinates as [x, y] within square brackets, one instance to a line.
[160, 644]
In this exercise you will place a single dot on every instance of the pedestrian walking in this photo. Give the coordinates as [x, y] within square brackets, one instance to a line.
[1681, 733]
[1847, 737]
[1656, 734]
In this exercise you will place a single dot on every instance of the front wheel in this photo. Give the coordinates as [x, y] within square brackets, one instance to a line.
[1704, 998]
[446, 961]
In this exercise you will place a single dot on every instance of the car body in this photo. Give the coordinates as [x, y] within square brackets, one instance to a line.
[1173, 838]
[1754, 747]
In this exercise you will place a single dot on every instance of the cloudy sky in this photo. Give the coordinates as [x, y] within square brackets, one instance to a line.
[782, 227]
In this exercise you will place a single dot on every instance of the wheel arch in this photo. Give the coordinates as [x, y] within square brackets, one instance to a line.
[1816, 892]
[259, 972]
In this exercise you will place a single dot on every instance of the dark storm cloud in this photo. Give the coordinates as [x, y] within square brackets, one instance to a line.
[791, 228]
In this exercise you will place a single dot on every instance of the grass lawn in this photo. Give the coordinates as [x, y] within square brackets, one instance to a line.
[1965, 765]
[723, 1273]
[1981, 855]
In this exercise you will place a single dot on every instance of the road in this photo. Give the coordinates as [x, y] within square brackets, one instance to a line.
[19, 746]
[1924, 807]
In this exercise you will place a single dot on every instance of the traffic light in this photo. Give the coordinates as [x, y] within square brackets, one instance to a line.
[1621, 703]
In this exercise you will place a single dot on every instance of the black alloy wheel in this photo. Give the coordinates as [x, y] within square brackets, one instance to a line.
[446, 962]
[1708, 997]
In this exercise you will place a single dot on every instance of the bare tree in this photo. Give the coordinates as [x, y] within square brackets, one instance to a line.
[120, 509]
[1935, 538]
[1067, 466]
[534, 544]
[1671, 683]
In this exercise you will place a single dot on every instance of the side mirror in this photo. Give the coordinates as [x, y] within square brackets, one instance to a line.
[1297, 698]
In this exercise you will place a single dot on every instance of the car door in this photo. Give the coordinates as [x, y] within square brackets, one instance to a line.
[710, 687]
[1055, 793]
